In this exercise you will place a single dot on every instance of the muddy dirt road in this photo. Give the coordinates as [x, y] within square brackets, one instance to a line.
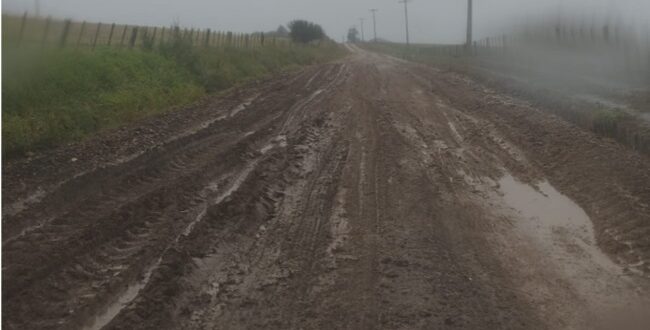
[369, 193]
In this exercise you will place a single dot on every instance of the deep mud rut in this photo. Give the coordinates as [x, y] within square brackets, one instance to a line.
[364, 194]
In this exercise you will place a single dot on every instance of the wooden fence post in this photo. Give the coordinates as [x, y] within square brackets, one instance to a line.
[110, 34]
[46, 31]
[207, 38]
[81, 32]
[23, 24]
[99, 26]
[134, 36]
[153, 37]
[162, 36]
[145, 37]
[64, 34]
[123, 35]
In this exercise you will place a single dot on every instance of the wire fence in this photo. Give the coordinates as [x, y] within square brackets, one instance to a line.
[28, 30]
[598, 49]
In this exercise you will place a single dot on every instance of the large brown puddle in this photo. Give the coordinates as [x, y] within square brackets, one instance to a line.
[553, 224]
[554, 219]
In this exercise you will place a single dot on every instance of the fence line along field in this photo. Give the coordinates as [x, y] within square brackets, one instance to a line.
[47, 31]
[73, 79]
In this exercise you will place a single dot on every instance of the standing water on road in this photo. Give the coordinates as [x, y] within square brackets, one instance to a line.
[564, 233]
[554, 218]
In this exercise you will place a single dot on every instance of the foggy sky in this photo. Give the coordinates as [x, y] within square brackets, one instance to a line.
[430, 21]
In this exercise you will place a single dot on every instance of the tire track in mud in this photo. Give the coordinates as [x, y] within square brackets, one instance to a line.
[277, 178]
[311, 137]
[125, 246]
[144, 229]
[368, 177]
[292, 112]
[299, 222]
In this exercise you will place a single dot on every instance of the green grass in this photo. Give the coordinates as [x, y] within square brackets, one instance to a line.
[55, 96]
[221, 68]
[64, 95]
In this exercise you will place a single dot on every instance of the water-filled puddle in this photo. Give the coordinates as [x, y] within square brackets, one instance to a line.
[557, 243]
[558, 222]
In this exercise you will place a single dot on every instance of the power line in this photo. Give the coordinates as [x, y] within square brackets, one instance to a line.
[469, 23]
[406, 18]
[374, 23]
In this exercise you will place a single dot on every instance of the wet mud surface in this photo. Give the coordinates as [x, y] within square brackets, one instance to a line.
[370, 193]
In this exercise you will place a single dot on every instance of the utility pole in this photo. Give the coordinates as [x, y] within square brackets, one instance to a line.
[406, 18]
[362, 37]
[469, 24]
[374, 23]
[37, 8]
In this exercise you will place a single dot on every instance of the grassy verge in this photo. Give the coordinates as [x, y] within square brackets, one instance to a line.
[55, 96]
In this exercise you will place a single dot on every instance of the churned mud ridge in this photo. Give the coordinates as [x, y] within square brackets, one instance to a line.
[370, 193]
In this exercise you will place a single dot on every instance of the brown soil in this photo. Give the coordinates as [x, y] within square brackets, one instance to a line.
[370, 193]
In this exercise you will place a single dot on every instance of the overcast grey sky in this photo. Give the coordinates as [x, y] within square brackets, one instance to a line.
[441, 21]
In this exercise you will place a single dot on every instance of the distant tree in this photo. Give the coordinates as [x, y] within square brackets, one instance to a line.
[353, 34]
[302, 31]
[282, 31]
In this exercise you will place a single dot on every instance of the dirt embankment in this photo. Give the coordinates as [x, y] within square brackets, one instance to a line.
[370, 193]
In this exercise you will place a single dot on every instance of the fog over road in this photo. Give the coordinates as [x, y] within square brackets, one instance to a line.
[369, 193]
[439, 21]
